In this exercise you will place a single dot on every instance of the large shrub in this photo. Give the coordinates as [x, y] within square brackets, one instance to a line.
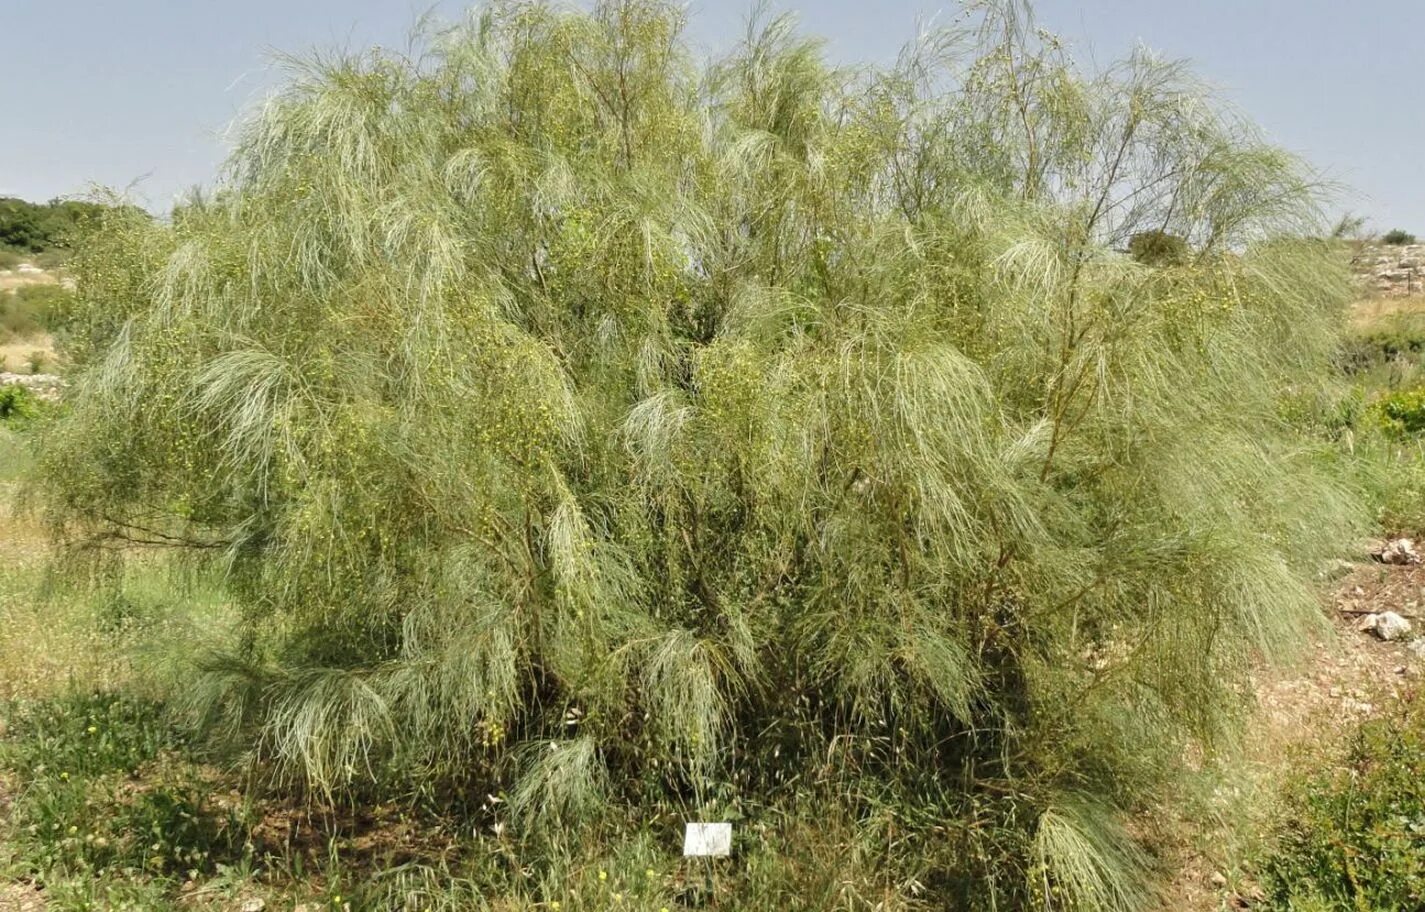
[766, 440]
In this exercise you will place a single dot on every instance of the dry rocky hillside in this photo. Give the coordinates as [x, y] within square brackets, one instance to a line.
[1392, 270]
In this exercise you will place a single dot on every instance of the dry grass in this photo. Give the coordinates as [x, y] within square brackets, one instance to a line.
[17, 356]
[46, 647]
[11, 279]
[1369, 310]
[21, 898]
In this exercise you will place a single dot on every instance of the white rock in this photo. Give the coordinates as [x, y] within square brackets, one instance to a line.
[1387, 626]
[256, 904]
[1398, 551]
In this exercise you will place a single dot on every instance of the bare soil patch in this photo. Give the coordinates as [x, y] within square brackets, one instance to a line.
[1304, 717]
[21, 898]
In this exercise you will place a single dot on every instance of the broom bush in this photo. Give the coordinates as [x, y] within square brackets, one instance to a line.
[643, 440]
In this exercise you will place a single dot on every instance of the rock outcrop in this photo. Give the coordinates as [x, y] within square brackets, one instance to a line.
[46, 386]
[1393, 270]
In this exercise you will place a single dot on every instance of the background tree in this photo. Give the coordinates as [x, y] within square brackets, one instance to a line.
[34, 227]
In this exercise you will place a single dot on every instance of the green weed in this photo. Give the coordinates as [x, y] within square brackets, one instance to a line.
[96, 797]
[18, 404]
[1351, 836]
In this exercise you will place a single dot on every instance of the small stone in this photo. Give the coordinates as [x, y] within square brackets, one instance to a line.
[256, 904]
[1218, 880]
[1387, 626]
[1400, 669]
[1398, 551]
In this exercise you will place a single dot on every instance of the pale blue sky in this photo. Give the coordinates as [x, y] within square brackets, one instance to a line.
[139, 90]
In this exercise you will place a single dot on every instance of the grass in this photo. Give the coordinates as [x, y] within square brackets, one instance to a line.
[30, 313]
[1370, 311]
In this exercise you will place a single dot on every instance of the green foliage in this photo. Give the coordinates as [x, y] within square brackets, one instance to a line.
[1401, 413]
[640, 442]
[1397, 237]
[18, 404]
[1158, 248]
[85, 735]
[1350, 838]
[78, 811]
[1369, 417]
[51, 305]
[35, 227]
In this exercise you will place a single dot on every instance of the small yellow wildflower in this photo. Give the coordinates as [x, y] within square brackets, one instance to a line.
[603, 875]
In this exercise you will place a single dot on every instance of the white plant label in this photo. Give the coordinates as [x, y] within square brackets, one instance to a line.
[708, 839]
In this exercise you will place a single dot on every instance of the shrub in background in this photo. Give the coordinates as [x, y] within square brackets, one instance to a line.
[38, 227]
[1398, 238]
[1374, 416]
[770, 441]
[1158, 248]
[17, 320]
